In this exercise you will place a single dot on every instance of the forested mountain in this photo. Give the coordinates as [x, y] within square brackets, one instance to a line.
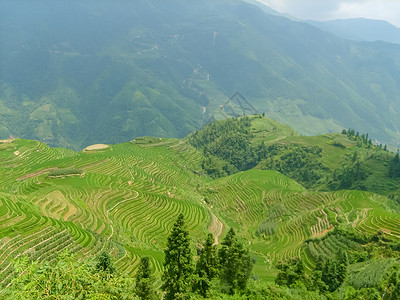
[75, 73]
[361, 29]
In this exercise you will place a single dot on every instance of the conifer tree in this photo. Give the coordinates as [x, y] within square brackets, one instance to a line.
[394, 169]
[207, 266]
[178, 265]
[144, 282]
[235, 263]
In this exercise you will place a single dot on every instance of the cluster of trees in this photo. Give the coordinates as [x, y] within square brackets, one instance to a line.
[215, 272]
[301, 163]
[65, 172]
[351, 175]
[230, 266]
[362, 140]
[394, 168]
[227, 146]
[223, 272]
[331, 276]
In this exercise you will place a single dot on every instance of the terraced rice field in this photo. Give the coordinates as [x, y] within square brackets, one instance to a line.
[128, 196]
[248, 198]
[126, 201]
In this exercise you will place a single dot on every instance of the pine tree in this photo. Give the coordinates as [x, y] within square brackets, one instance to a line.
[235, 262]
[144, 282]
[394, 169]
[207, 266]
[178, 265]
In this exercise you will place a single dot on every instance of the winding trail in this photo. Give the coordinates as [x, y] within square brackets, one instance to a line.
[216, 228]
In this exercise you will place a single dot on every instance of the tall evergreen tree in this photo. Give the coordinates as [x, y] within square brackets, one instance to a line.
[207, 266]
[144, 282]
[394, 169]
[235, 262]
[178, 265]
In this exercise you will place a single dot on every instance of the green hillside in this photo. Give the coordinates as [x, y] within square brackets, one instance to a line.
[124, 199]
[75, 74]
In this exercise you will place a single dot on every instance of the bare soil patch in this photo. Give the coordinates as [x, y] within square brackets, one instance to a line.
[34, 174]
[7, 141]
[216, 228]
[96, 147]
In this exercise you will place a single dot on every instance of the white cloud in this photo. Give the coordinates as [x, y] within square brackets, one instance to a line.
[388, 10]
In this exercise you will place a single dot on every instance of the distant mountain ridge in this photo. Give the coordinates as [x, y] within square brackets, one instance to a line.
[361, 29]
[74, 74]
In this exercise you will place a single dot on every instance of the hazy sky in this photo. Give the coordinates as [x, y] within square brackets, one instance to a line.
[320, 10]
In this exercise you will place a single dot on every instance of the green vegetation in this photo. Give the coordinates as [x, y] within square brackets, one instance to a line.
[206, 267]
[264, 225]
[178, 265]
[144, 281]
[65, 172]
[65, 278]
[329, 162]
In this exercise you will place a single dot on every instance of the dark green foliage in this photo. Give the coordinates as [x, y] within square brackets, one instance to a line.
[392, 289]
[178, 264]
[235, 264]
[332, 271]
[394, 169]
[65, 172]
[301, 163]
[206, 266]
[104, 263]
[226, 146]
[351, 174]
[290, 272]
[336, 241]
[144, 288]
[362, 294]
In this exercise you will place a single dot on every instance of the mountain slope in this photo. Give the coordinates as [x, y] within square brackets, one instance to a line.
[75, 73]
[361, 29]
[125, 198]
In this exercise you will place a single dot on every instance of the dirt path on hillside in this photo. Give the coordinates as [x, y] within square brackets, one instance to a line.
[95, 164]
[34, 174]
[216, 228]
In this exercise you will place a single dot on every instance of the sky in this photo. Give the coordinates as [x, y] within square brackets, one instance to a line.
[322, 10]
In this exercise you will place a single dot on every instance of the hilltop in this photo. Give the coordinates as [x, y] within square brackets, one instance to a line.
[124, 198]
